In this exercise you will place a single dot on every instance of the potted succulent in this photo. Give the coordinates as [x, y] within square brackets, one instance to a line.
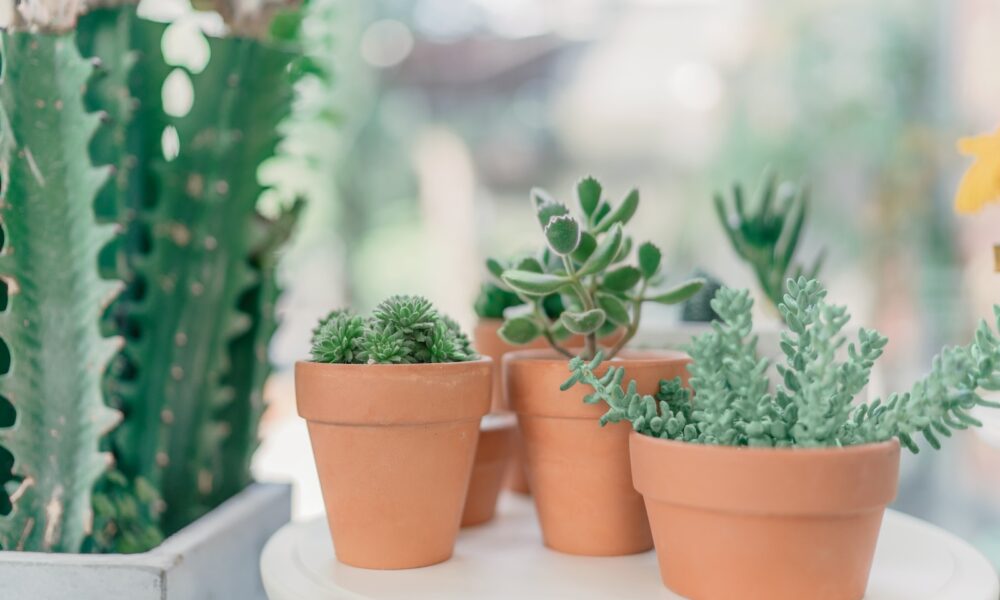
[393, 404]
[781, 489]
[137, 304]
[579, 471]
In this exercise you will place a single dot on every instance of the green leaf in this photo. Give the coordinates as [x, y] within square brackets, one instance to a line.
[622, 279]
[615, 308]
[587, 245]
[534, 284]
[588, 192]
[528, 263]
[546, 207]
[621, 214]
[494, 267]
[563, 234]
[649, 259]
[624, 251]
[520, 330]
[604, 254]
[583, 323]
[678, 293]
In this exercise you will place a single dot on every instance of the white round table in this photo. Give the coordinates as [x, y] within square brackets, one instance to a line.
[506, 559]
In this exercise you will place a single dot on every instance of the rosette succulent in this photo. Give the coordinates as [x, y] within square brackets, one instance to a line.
[401, 330]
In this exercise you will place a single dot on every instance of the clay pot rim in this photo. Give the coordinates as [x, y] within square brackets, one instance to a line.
[627, 355]
[805, 453]
[766, 481]
[398, 368]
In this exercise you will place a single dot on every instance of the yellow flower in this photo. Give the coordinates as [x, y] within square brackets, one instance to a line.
[981, 183]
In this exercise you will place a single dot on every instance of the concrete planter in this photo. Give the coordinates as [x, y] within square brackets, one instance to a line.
[215, 557]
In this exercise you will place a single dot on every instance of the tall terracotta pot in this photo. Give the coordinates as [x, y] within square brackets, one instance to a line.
[393, 446]
[764, 524]
[579, 471]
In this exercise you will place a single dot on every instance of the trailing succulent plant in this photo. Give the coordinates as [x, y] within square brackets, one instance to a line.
[730, 400]
[768, 237]
[587, 262]
[698, 308]
[401, 330]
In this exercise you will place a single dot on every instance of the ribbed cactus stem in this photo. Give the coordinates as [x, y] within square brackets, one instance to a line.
[55, 295]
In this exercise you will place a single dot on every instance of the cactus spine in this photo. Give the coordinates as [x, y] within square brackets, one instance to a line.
[55, 355]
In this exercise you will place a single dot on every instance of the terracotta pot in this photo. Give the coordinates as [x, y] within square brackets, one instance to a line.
[765, 524]
[579, 471]
[496, 441]
[489, 343]
[394, 446]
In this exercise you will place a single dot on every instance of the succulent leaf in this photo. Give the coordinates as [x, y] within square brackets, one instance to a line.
[534, 284]
[649, 260]
[563, 234]
[520, 330]
[622, 279]
[585, 322]
[678, 293]
[621, 214]
[588, 192]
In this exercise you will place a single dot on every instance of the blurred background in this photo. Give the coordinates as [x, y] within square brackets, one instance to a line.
[418, 159]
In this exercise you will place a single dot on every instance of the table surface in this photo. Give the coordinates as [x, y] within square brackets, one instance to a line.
[506, 559]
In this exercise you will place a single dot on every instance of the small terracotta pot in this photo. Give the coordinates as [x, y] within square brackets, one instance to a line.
[579, 471]
[489, 343]
[394, 446]
[765, 524]
[496, 441]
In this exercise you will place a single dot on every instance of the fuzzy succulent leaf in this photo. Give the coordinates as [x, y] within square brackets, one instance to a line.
[563, 234]
[621, 214]
[678, 293]
[583, 323]
[649, 260]
[534, 284]
[53, 354]
[588, 192]
[520, 330]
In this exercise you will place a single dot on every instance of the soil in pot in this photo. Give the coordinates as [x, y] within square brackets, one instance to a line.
[579, 471]
[394, 447]
[765, 524]
[496, 441]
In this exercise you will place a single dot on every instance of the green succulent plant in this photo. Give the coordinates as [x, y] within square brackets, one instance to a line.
[768, 237]
[587, 261]
[401, 330]
[730, 400]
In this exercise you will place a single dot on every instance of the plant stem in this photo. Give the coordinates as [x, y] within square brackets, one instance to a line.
[633, 325]
[590, 340]
[547, 329]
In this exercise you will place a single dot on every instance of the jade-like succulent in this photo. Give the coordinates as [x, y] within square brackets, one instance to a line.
[768, 237]
[587, 262]
[401, 330]
[730, 400]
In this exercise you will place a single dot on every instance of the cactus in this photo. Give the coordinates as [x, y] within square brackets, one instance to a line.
[767, 239]
[54, 353]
